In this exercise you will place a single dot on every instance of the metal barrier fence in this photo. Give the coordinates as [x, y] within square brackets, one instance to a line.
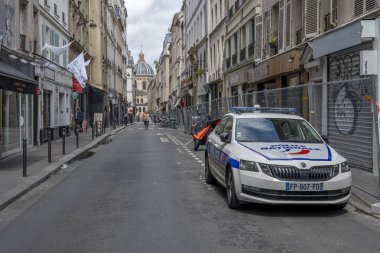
[341, 110]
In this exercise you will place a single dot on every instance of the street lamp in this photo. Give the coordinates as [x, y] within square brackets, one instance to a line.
[84, 22]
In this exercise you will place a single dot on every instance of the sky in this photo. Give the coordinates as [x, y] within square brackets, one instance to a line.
[148, 23]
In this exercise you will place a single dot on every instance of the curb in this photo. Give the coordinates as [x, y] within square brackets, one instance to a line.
[18, 191]
[361, 205]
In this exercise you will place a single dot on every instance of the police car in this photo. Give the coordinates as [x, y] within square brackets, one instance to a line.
[270, 155]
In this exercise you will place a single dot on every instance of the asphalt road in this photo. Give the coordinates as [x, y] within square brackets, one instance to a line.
[145, 192]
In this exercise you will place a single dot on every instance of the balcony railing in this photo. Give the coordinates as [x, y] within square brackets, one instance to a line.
[22, 42]
[228, 63]
[234, 59]
[242, 54]
[251, 49]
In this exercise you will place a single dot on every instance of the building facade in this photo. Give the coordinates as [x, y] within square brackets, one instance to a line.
[143, 76]
[19, 90]
[176, 66]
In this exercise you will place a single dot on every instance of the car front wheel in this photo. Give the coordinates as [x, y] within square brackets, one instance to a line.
[232, 200]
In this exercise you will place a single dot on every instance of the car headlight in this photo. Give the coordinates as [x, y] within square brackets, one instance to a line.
[265, 169]
[248, 165]
[344, 167]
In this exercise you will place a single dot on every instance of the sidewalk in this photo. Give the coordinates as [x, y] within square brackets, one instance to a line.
[13, 184]
[365, 191]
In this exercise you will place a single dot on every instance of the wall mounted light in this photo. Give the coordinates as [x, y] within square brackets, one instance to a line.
[291, 59]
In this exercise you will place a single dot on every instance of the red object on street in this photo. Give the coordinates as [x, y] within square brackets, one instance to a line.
[76, 86]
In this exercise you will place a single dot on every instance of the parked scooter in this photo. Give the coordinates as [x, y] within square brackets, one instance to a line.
[205, 127]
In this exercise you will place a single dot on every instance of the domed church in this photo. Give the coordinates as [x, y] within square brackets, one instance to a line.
[143, 75]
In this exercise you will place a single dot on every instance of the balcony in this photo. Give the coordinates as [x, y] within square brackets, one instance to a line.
[234, 59]
[242, 54]
[22, 42]
[251, 49]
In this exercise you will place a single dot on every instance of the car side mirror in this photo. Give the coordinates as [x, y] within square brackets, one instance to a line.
[325, 139]
[225, 137]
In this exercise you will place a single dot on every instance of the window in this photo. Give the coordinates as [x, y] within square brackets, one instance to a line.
[55, 9]
[63, 18]
[144, 85]
[139, 109]
[64, 42]
[275, 130]
[311, 16]
[144, 109]
[259, 36]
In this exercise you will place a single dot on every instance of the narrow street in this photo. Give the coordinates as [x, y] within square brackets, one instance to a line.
[145, 192]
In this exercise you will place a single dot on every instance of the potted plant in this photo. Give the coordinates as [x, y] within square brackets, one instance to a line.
[273, 40]
[199, 72]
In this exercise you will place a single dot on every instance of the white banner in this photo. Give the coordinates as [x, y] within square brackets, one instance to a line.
[57, 50]
[78, 69]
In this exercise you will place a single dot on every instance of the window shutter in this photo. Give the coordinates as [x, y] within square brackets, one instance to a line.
[370, 5]
[334, 12]
[268, 28]
[281, 25]
[358, 7]
[311, 18]
[288, 28]
[258, 36]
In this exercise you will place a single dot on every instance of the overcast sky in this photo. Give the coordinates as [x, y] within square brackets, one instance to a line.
[148, 23]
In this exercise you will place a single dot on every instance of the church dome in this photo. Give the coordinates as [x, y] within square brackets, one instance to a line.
[142, 68]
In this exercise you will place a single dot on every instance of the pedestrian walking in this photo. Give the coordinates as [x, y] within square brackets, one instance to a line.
[79, 118]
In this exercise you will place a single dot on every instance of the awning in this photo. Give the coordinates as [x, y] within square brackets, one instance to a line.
[14, 80]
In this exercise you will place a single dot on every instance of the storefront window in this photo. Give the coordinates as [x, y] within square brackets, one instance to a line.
[10, 121]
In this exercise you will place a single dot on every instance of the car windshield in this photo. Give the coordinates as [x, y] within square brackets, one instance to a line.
[275, 130]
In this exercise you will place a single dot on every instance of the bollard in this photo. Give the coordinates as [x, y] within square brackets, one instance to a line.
[77, 136]
[64, 141]
[24, 157]
[92, 133]
[49, 146]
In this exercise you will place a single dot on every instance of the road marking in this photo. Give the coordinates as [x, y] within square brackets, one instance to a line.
[165, 140]
[200, 161]
[172, 138]
[140, 128]
[187, 143]
[179, 150]
[160, 134]
[202, 164]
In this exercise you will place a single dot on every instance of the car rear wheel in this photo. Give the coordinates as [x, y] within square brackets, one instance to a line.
[232, 200]
[210, 179]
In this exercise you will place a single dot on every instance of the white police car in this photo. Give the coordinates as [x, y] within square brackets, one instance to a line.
[264, 155]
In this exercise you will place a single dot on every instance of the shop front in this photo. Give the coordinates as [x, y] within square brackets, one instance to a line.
[18, 92]
[235, 81]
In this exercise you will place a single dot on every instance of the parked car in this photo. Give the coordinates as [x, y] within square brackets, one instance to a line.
[266, 155]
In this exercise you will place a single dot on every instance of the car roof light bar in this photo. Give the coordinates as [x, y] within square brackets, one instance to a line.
[263, 109]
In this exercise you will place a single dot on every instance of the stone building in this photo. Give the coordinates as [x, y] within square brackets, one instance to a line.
[143, 76]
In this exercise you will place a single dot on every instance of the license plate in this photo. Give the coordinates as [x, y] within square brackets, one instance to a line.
[304, 187]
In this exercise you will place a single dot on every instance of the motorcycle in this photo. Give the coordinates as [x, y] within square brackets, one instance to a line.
[201, 130]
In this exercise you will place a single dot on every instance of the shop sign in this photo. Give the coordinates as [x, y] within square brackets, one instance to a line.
[49, 74]
[10, 84]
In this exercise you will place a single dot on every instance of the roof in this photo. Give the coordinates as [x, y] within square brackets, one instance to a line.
[142, 68]
[265, 115]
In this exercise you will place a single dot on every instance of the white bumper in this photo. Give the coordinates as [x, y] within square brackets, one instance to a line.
[265, 189]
